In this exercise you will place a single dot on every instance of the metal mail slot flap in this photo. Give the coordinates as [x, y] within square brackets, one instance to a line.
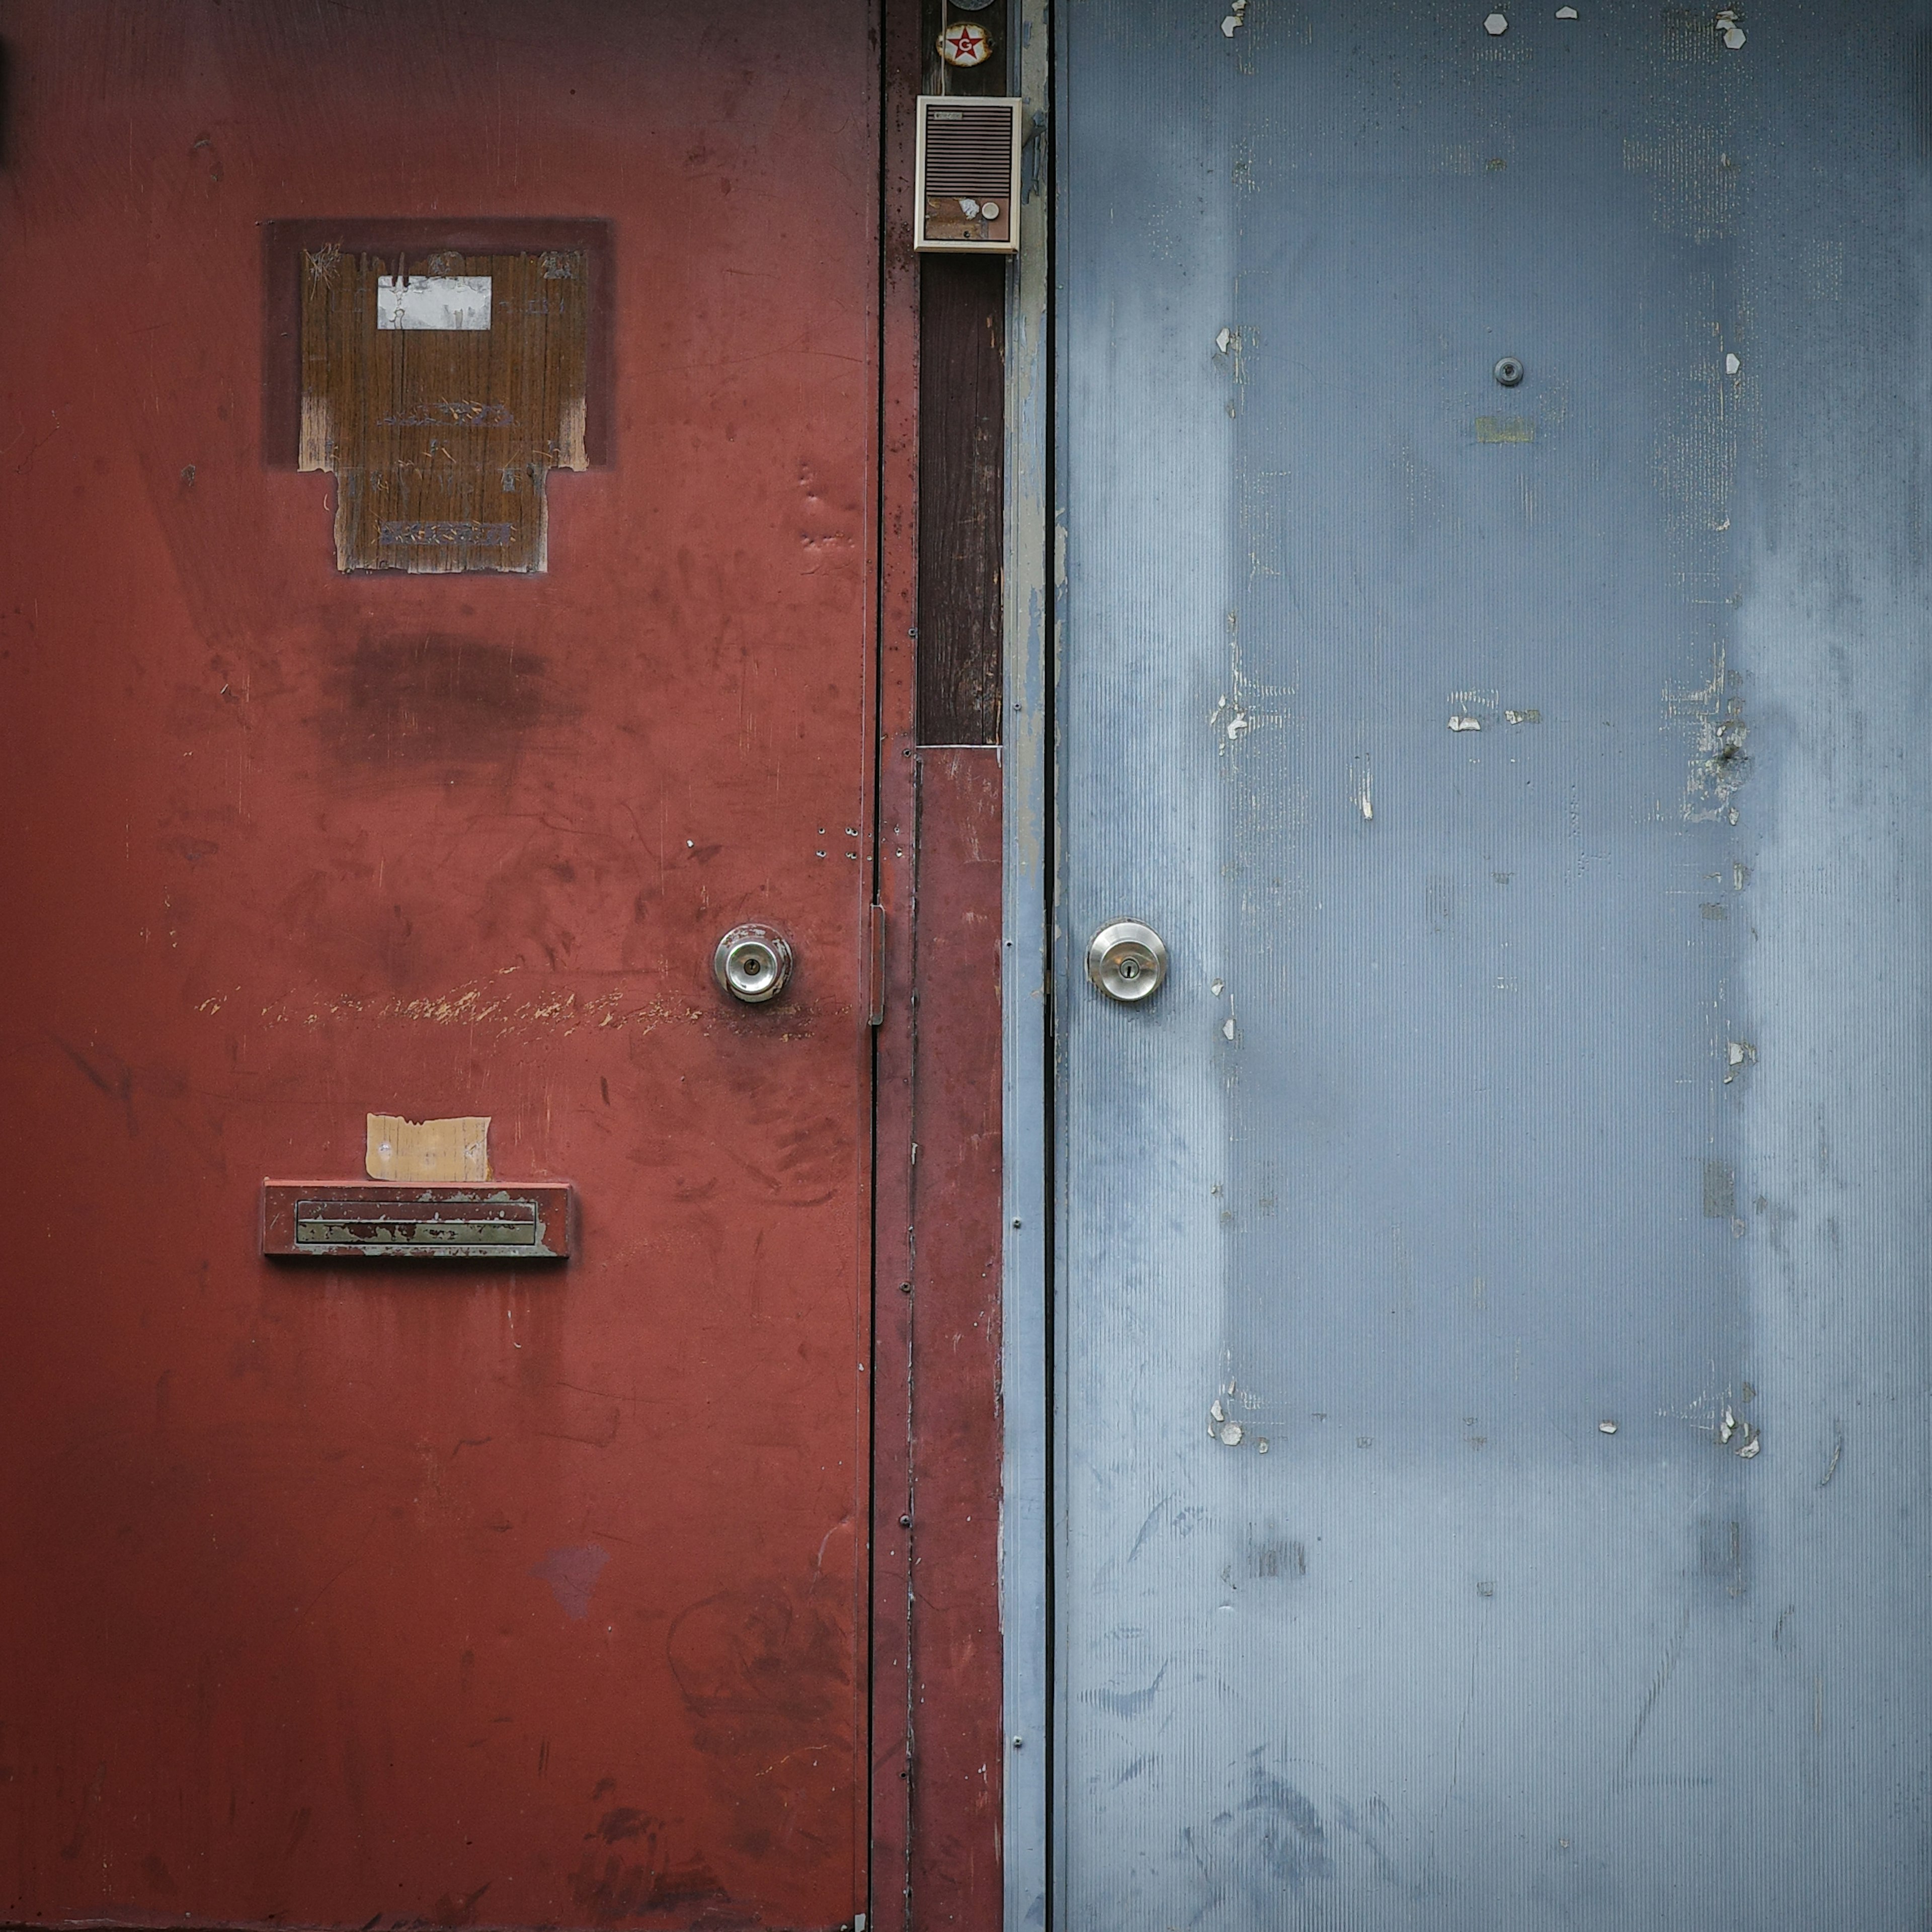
[378, 1221]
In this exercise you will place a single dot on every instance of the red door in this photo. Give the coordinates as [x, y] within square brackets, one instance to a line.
[462, 1592]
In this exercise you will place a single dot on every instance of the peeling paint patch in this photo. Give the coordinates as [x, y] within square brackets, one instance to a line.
[1459, 722]
[1505, 429]
[1524, 717]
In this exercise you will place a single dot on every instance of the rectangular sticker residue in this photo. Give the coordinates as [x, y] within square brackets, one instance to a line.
[432, 301]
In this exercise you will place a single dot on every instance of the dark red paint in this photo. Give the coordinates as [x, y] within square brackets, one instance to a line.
[485, 1596]
[955, 1878]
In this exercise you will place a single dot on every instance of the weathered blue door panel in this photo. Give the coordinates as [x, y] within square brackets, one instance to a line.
[1494, 1313]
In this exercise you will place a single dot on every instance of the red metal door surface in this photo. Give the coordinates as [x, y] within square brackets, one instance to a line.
[436, 1592]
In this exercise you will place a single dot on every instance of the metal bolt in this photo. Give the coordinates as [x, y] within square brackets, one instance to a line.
[905, 1287]
[1018, 1742]
[905, 1522]
[1510, 372]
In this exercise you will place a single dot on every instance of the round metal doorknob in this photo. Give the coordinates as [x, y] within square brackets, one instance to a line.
[752, 963]
[1127, 961]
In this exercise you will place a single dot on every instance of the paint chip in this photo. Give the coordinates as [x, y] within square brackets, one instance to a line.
[1461, 721]
[1524, 717]
[1227, 1027]
[1566, 13]
[1732, 365]
[1607, 1427]
[1225, 340]
[1230, 1434]
[1497, 23]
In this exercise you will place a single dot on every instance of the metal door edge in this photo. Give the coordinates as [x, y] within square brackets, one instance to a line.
[1031, 598]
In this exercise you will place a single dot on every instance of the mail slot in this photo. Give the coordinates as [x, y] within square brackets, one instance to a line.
[345, 1220]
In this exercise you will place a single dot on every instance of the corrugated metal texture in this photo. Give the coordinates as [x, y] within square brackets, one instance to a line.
[1490, 1300]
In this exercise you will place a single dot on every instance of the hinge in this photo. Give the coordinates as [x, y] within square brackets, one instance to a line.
[875, 969]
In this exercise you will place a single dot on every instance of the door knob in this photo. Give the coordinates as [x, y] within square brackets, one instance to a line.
[1127, 961]
[752, 963]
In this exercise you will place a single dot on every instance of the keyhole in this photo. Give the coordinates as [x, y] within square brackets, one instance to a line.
[1130, 969]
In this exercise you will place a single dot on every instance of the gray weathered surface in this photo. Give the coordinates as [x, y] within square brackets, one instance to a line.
[1554, 1097]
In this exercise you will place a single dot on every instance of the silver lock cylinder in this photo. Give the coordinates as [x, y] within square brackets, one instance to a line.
[752, 963]
[1127, 961]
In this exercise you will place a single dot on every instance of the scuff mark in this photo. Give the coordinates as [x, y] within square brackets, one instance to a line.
[572, 1573]
[1672, 1651]
[1838, 1450]
[118, 1086]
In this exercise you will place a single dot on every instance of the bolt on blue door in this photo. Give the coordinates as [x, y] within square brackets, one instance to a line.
[1492, 1306]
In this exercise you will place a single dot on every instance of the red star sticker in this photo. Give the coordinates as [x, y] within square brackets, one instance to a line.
[965, 40]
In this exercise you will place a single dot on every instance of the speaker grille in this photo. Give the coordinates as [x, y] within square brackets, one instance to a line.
[969, 148]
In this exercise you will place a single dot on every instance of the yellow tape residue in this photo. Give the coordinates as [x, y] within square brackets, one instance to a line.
[430, 1151]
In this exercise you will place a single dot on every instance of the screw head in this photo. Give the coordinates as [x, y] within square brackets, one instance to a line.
[1510, 372]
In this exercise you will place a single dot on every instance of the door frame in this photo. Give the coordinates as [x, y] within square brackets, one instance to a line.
[1035, 592]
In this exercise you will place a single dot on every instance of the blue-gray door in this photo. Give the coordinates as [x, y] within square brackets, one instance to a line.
[1495, 1402]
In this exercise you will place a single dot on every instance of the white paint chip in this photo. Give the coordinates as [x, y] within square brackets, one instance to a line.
[1732, 365]
[1459, 721]
[1607, 1428]
[1497, 23]
[432, 301]
[1566, 13]
[1230, 1433]
[1225, 340]
[1228, 1028]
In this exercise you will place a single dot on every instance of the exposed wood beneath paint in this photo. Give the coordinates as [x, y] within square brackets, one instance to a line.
[961, 526]
[962, 435]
